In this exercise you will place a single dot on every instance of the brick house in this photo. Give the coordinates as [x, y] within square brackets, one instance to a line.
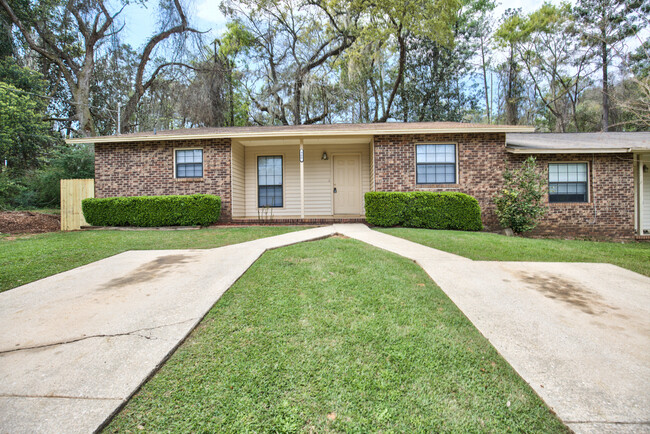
[599, 184]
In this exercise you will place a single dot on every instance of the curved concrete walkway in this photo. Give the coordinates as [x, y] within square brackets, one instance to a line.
[75, 346]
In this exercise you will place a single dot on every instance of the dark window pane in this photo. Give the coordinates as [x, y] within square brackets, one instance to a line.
[189, 163]
[567, 182]
[567, 192]
[269, 181]
[435, 164]
[270, 196]
[438, 173]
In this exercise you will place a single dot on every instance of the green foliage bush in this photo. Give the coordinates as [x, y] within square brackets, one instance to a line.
[446, 210]
[10, 188]
[385, 208]
[41, 187]
[151, 211]
[520, 203]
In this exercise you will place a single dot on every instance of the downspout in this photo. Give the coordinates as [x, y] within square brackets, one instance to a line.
[593, 178]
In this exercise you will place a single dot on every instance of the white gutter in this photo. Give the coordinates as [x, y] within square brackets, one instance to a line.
[569, 150]
[297, 133]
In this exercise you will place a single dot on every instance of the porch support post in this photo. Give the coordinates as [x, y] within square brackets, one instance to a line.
[302, 180]
[640, 196]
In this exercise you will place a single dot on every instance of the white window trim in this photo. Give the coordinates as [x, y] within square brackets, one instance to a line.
[415, 167]
[174, 168]
[569, 162]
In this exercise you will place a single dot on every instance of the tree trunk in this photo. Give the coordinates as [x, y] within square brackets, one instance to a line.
[297, 94]
[485, 85]
[400, 76]
[605, 87]
[82, 94]
[511, 100]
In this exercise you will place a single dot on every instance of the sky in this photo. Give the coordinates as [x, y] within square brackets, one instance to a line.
[140, 22]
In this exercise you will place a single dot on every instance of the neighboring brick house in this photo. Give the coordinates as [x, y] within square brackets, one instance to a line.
[599, 183]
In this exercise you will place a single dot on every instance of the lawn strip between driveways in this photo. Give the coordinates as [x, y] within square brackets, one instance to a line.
[27, 258]
[335, 335]
[482, 246]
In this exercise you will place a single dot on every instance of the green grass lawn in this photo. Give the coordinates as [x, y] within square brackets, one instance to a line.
[27, 258]
[483, 246]
[335, 336]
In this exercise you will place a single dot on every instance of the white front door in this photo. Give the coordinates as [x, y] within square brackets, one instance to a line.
[347, 184]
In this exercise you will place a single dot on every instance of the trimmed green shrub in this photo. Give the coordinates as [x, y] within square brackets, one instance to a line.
[150, 211]
[446, 210]
[385, 209]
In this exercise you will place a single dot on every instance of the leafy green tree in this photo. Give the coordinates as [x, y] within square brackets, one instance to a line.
[24, 134]
[291, 47]
[67, 162]
[639, 61]
[507, 38]
[439, 83]
[388, 24]
[69, 36]
[605, 25]
[519, 204]
[557, 64]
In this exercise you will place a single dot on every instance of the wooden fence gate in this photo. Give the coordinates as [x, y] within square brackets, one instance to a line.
[73, 191]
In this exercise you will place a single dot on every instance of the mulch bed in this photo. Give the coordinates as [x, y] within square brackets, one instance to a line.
[25, 222]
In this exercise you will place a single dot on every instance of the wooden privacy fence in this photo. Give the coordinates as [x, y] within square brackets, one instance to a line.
[73, 191]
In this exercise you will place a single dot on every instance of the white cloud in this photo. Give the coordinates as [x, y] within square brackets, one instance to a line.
[208, 12]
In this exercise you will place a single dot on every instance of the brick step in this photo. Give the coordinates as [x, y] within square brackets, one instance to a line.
[297, 221]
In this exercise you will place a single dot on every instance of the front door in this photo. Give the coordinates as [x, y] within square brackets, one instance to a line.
[347, 184]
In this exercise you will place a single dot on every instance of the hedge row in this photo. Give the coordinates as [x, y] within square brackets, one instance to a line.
[150, 211]
[446, 210]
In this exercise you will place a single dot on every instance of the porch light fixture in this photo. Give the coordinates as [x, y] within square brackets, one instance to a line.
[324, 157]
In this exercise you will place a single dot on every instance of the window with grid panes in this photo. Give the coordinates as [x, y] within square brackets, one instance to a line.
[269, 182]
[567, 182]
[436, 164]
[189, 163]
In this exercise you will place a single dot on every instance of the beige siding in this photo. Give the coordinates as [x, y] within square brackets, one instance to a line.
[238, 180]
[318, 177]
[372, 165]
[645, 213]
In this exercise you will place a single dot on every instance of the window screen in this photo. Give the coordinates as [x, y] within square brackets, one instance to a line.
[189, 163]
[567, 182]
[436, 164]
[269, 182]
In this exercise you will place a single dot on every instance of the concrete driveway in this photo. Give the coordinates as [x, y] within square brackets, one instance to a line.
[75, 346]
[578, 333]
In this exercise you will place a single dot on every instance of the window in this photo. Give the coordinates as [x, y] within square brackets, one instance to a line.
[189, 163]
[269, 182]
[567, 182]
[435, 164]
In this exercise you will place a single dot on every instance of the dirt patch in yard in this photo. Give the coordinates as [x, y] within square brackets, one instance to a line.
[26, 222]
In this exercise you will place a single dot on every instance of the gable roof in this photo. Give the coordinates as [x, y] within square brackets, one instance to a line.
[307, 131]
[576, 143]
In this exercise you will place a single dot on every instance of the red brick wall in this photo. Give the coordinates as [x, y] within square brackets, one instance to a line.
[481, 161]
[610, 210]
[147, 169]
